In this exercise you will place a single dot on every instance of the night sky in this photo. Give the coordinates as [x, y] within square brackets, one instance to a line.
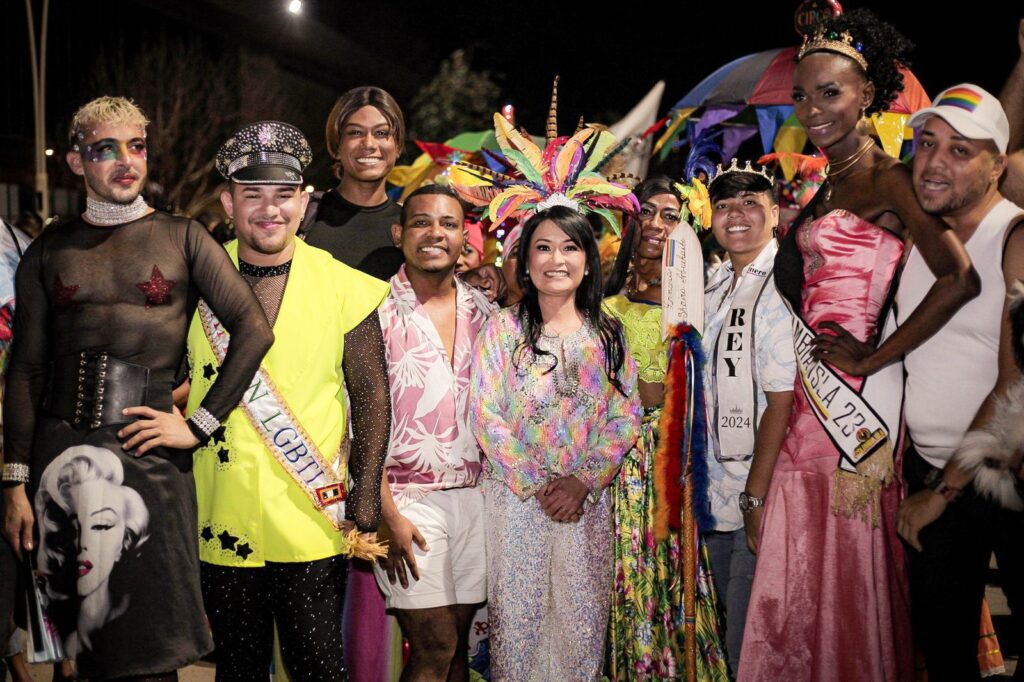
[607, 61]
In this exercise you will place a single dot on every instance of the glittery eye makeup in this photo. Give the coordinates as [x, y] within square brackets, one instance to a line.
[110, 149]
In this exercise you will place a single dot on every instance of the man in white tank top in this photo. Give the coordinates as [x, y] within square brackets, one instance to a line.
[953, 379]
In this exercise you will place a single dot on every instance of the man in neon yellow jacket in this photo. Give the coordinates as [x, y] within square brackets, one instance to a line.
[275, 509]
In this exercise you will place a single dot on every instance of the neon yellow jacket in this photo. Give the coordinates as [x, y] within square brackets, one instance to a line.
[250, 510]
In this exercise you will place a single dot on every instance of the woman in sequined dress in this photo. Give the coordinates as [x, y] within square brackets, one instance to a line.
[646, 633]
[555, 408]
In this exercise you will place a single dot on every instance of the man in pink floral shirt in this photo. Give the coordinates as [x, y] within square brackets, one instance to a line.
[434, 576]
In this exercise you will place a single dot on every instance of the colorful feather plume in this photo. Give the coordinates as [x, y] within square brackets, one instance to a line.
[807, 166]
[512, 141]
[566, 170]
[680, 459]
[703, 152]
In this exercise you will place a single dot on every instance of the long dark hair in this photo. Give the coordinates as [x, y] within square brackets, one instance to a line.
[651, 187]
[589, 295]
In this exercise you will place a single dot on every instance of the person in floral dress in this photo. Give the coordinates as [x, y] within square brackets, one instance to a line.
[646, 628]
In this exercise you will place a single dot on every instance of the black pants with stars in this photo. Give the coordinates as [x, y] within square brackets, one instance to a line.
[303, 599]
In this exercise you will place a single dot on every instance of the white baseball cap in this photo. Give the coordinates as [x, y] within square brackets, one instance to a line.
[972, 111]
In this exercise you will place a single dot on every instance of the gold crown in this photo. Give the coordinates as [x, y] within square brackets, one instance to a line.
[832, 41]
[734, 167]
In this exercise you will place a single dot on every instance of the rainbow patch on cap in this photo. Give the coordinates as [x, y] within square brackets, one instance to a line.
[963, 98]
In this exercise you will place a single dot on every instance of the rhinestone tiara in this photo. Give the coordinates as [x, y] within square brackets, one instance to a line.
[734, 167]
[832, 41]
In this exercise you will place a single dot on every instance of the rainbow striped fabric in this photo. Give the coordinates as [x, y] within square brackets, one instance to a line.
[964, 98]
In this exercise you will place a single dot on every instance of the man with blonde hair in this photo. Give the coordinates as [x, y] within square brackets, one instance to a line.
[104, 301]
[119, 195]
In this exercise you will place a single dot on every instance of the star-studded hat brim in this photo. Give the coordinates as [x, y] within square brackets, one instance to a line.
[267, 175]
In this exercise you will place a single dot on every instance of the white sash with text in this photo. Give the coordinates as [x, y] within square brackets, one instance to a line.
[853, 420]
[733, 378]
[281, 432]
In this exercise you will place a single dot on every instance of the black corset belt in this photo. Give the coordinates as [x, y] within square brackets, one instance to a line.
[90, 390]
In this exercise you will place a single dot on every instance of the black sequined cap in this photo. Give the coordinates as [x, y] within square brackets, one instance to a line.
[265, 153]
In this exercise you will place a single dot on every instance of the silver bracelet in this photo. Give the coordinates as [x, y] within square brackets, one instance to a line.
[204, 421]
[15, 472]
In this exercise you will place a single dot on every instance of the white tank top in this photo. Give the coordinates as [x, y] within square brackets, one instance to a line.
[951, 374]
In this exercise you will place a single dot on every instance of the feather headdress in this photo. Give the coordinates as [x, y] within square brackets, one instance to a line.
[699, 162]
[566, 172]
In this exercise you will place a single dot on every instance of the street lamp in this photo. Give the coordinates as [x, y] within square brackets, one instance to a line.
[38, 66]
[295, 6]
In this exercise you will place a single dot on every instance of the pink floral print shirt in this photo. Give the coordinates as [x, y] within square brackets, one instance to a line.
[432, 446]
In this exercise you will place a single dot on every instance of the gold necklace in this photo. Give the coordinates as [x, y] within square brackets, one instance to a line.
[833, 170]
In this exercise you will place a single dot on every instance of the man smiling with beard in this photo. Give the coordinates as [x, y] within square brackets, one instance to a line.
[961, 155]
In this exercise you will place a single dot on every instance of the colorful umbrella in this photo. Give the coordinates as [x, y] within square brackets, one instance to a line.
[763, 82]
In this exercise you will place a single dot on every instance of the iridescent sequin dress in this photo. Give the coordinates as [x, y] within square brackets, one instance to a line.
[549, 583]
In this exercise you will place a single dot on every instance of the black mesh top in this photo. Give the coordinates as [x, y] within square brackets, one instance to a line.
[366, 379]
[129, 290]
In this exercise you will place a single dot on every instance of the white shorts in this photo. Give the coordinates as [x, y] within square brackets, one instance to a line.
[454, 571]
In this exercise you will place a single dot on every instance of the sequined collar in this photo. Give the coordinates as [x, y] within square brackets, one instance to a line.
[571, 338]
[109, 213]
[250, 270]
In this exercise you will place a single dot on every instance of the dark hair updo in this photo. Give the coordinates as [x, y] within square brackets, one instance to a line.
[883, 47]
[655, 185]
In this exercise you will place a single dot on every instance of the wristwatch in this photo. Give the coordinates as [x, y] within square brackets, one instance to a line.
[749, 502]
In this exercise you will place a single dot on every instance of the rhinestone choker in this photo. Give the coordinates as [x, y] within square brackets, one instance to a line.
[251, 270]
[109, 213]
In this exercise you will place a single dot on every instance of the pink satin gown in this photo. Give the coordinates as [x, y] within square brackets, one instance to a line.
[830, 598]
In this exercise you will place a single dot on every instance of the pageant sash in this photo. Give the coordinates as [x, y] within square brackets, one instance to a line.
[863, 437]
[292, 447]
[682, 281]
[733, 377]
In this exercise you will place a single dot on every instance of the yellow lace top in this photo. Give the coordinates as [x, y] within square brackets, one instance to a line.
[641, 323]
